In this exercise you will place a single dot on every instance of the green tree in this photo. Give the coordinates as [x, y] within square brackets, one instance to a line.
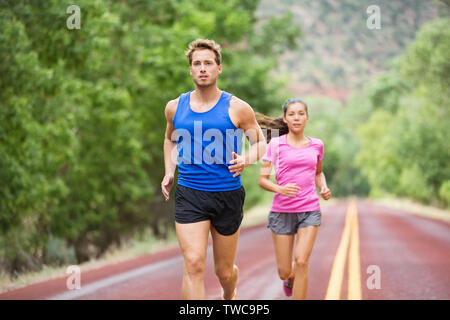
[82, 113]
[404, 144]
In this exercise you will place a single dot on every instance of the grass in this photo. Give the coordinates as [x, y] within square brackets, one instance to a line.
[129, 250]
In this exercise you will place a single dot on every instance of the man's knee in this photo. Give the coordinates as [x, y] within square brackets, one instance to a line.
[194, 265]
[224, 273]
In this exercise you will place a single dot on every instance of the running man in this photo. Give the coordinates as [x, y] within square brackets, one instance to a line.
[204, 139]
[295, 208]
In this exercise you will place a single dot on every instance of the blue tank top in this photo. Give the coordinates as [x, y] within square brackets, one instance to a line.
[205, 142]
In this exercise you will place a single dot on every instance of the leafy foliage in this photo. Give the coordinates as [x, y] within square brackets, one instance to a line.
[405, 142]
[82, 114]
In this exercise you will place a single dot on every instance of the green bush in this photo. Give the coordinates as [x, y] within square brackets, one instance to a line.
[444, 192]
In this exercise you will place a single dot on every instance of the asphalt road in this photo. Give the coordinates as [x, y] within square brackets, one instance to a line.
[362, 251]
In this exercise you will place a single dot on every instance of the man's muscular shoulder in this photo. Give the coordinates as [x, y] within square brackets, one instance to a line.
[171, 108]
[240, 111]
[237, 103]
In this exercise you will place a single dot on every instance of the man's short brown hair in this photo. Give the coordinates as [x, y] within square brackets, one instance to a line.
[200, 44]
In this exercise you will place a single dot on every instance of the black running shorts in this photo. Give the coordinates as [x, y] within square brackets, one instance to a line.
[223, 208]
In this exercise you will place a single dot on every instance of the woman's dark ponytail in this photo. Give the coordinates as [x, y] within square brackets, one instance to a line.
[270, 124]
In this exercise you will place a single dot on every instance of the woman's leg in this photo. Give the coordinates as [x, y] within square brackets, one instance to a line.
[306, 237]
[283, 245]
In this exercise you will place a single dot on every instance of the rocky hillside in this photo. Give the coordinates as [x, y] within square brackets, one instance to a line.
[339, 52]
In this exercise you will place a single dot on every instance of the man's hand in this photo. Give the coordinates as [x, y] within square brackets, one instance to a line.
[166, 185]
[325, 193]
[238, 164]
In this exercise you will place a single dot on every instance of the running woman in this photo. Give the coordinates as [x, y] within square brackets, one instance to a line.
[295, 208]
[204, 129]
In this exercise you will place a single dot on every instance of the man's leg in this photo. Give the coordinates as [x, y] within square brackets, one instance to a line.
[193, 240]
[224, 248]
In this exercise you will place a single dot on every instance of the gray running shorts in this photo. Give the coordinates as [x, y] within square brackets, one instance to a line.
[288, 223]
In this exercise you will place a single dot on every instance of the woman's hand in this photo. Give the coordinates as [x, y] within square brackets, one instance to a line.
[289, 190]
[325, 193]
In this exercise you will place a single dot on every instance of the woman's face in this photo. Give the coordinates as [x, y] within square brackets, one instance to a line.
[296, 117]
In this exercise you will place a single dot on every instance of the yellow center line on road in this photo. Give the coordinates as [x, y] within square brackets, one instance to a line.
[354, 262]
[350, 235]
[337, 271]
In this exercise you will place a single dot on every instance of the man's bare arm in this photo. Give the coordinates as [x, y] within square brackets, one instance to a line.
[169, 145]
[247, 122]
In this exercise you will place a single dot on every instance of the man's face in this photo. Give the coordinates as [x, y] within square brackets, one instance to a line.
[204, 69]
